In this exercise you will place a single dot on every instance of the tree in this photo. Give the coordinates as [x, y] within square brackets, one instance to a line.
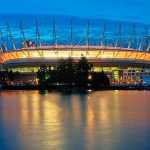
[83, 65]
[3, 77]
[53, 75]
[11, 75]
[82, 72]
[99, 79]
[66, 70]
[42, 75]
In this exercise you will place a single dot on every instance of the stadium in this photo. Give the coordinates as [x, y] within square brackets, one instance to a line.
[123, 65]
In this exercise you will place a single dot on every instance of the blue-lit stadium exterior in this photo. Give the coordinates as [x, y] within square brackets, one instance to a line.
[122, 64]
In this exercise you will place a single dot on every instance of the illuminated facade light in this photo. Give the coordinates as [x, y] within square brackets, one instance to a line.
[95, 53]
[89, 77]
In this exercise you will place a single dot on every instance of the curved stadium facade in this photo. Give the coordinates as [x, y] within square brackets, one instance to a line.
[123, 65]
[98, 55]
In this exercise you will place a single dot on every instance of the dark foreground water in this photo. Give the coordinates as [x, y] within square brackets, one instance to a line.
[105, 120]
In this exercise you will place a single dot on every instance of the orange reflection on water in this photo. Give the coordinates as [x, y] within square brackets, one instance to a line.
[60, 121]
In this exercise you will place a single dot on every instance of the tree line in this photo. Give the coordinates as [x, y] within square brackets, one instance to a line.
[6, 76]
[69, 72]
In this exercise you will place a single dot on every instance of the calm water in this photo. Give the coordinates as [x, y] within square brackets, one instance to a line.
[109, 120]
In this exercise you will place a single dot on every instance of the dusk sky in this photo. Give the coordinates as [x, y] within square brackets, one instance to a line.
[131, 10]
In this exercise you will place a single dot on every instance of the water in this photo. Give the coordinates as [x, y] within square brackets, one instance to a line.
[104, 120]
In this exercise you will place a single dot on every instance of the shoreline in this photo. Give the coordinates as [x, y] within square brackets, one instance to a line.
[68, 88]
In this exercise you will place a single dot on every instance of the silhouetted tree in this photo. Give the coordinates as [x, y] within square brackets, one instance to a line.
[66, 70]
[53, 75]
[82, 72]
[42, 75]
[99, 79]
[11, 75]
[3, 77]
[105, 79]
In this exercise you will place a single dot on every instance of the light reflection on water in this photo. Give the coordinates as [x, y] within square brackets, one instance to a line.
[105, 120]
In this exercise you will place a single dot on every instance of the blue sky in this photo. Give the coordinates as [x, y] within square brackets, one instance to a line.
[130, 10]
